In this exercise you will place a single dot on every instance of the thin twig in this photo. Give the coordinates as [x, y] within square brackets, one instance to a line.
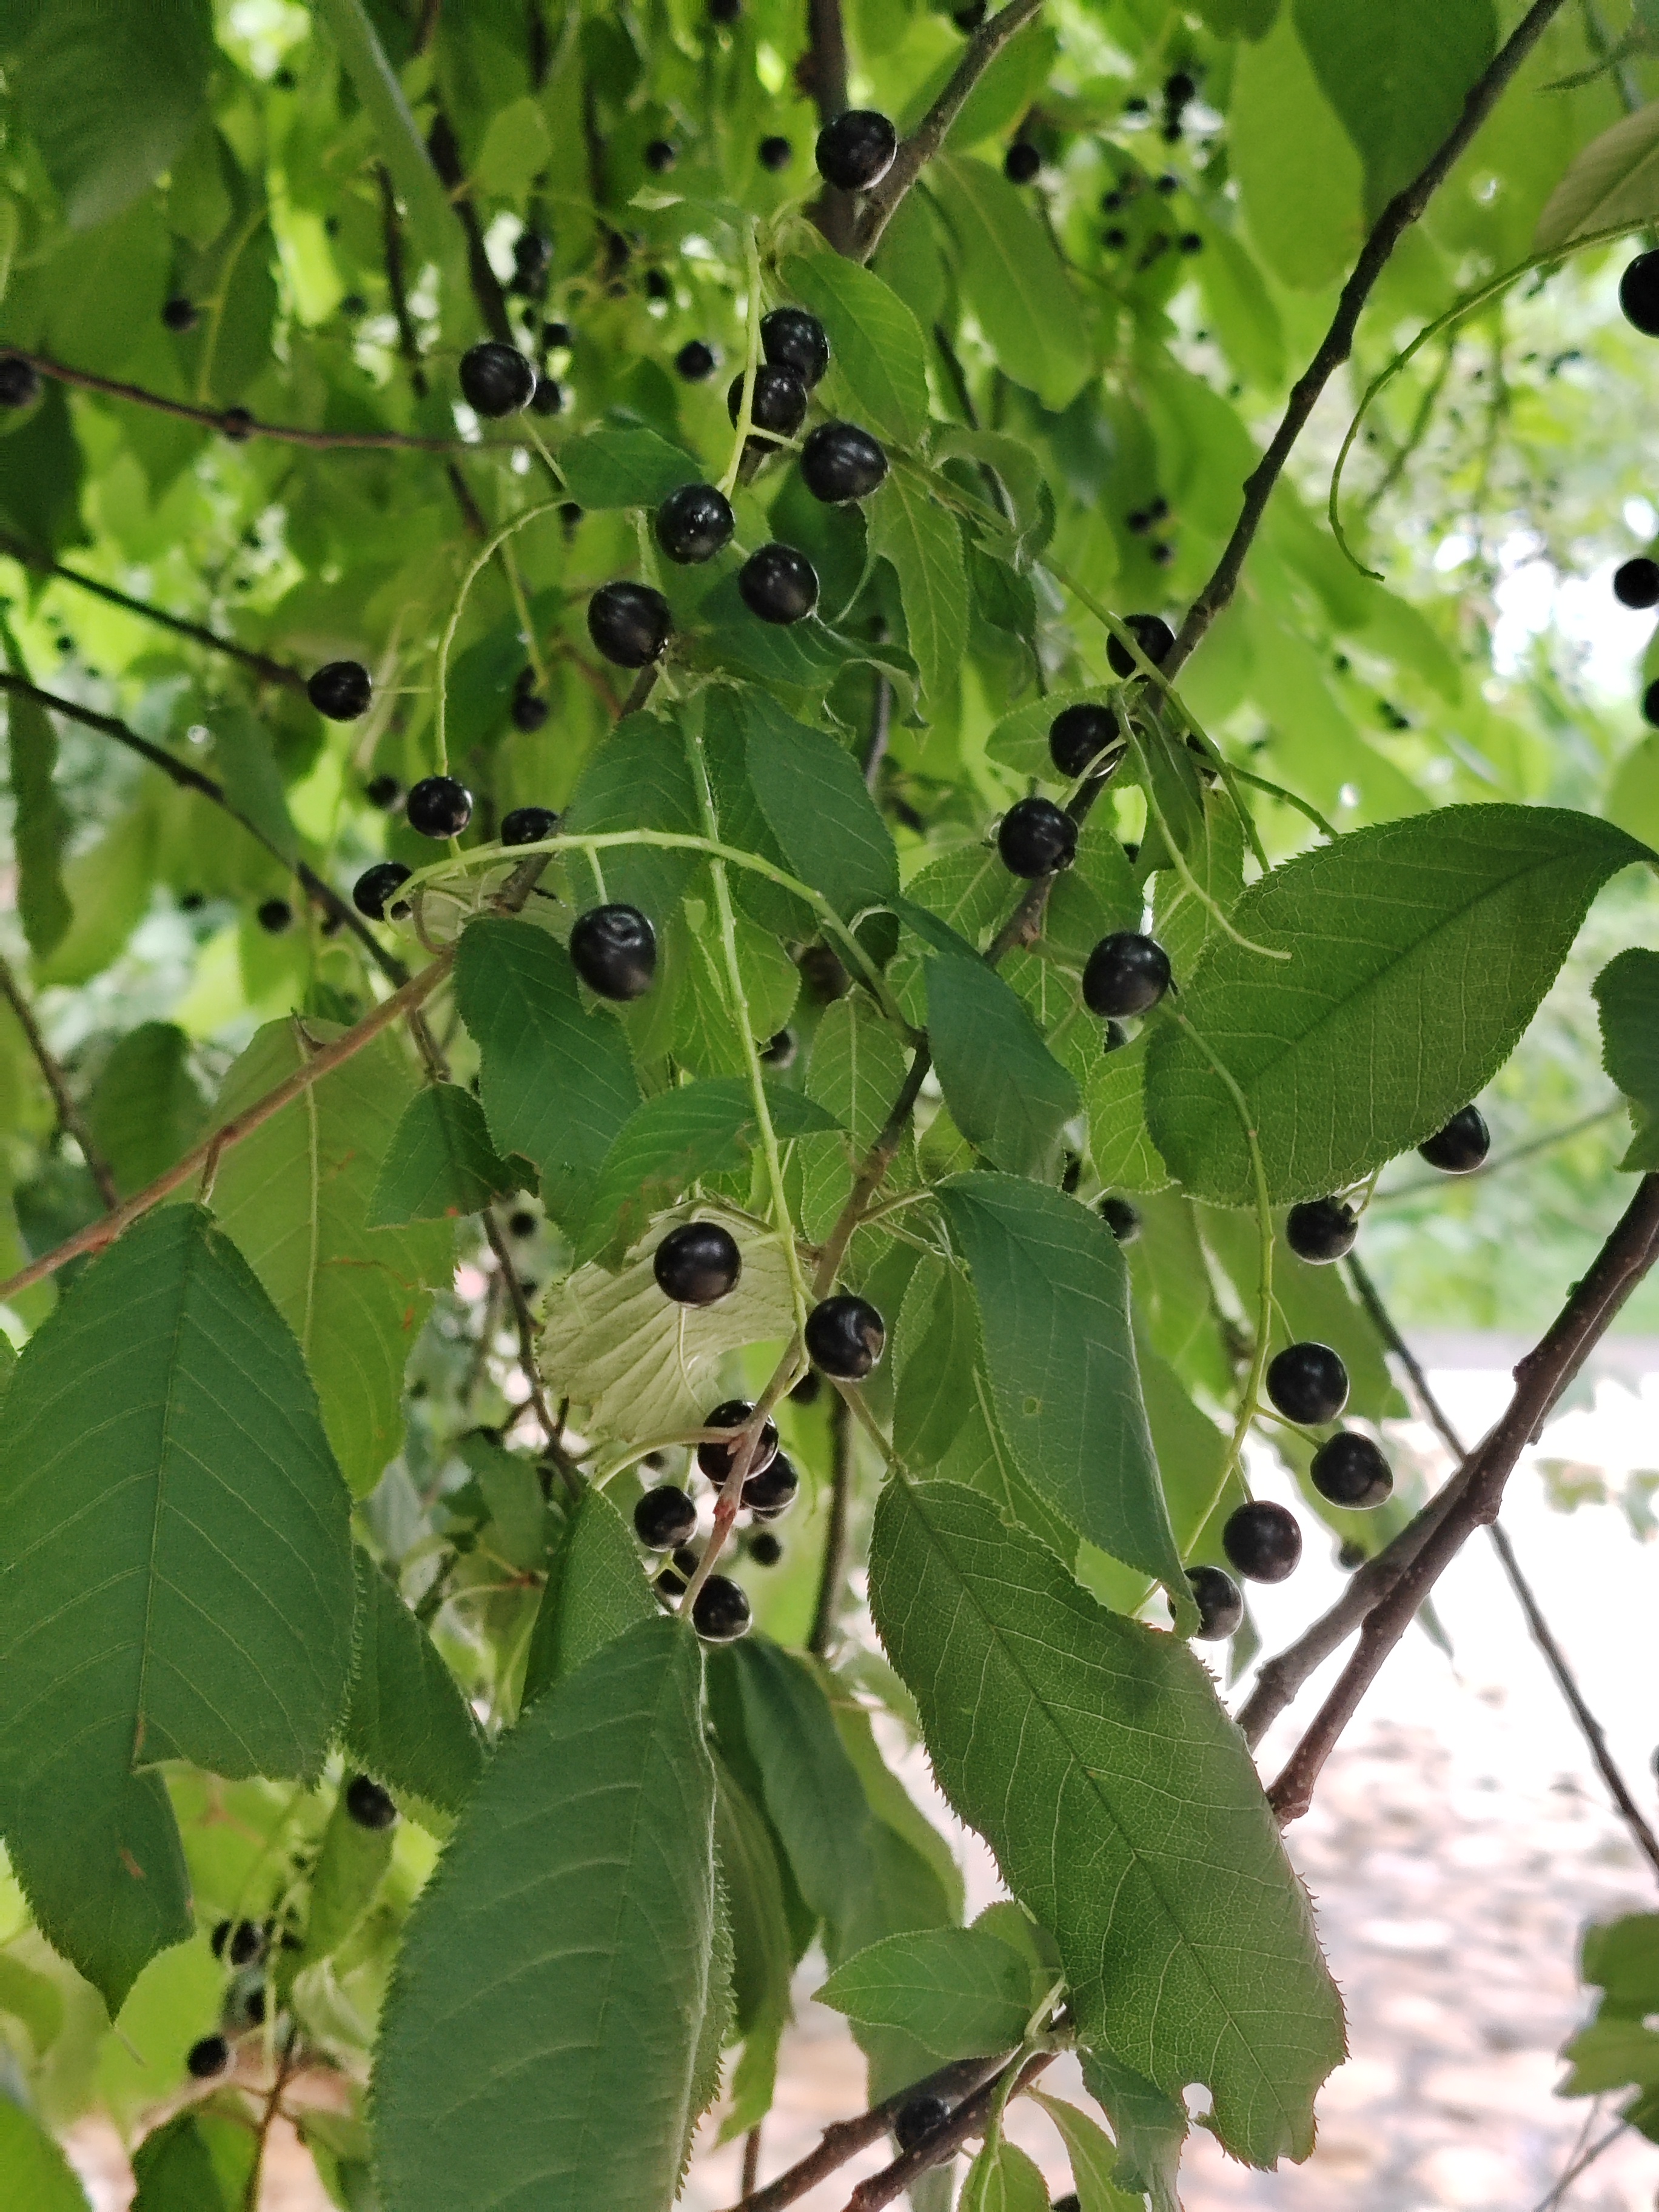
[284, 2068]
[525, 1321]
[832, 1574]
[823, 73]
[1581, 2164]
[445, 157]
[69, 1114]
[968, 2118]
[752, 2151]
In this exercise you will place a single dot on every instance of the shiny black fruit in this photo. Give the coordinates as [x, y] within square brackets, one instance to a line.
[792, 337]
[769, 1494]
[1120, 1218]
[368, 1804]
[1126, 974]
[20, 382]
[375, 886]
[695, 361]
[1322, 1229]
[715, 1459]
[1349, 1470]
[1262, 1541]
[495, 379]
[1462, 1146]
[840, 462]
[208, 2057]
[694, 523]
[777, 584]
[1151, 633]
[1638, 294]
[341, 690]
[856, 149]
[918, 2121]
[614, 949]
[720, 1612]
[1021, 162]
[439, 807]
[629, 624]
[1036, 838]
[1079, 734]
[1635, 583]
[845, 1336]
[779, 400]
[697, 1264]
[1308, 1383]
[664, 1518]
[528, 825]
[1220, 1603]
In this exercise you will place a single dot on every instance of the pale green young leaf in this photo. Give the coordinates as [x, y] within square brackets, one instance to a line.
[565, 1940]
[1119, 1143]
[517, 1530]
[145, 1110]
[1054, 1302]
[175, 1578]
[1007, 1093]
[245, 757]
[891, 1803]
[878, 355]
[596, 1590]
[1002, 2179]
[624, 468]
[959, 1991]
[1013, 280]
[922, 540]
[1187, 1941]
[1627, 998]
[1016, 468]
[1301, 182]
[34, 1998]
[38, 2176]
[439, 1162]
[1613, 180]
[40, 827]
[1149, 2125]
[819, 808]
[406, 1722]
[1093, 2155]
[1420, 950]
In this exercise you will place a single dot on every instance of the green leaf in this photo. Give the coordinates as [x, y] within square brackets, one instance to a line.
[878, 355]
[857, 1068]
[406, 1722]
[41, 826]
[1621, 1958]
[514, 150]
[1007, 1093]
[295, 1195]
[565, 1941]
[909, 527]
[1300, 178]
[439, 1162]
[200, 2161]
[1187, 1941]
[557, 1083]
[146, 1111]
[1093, 2155]
[175, 1579]
[1150, 2128]
[245, 757]
[35, 1999]
[1002, 2179]
[1054, 1301]
[512, 1493]
[38, 2178]
[1398, 79]
[624, 468]
[639, 779]
[1013, 280]
[938, 1351]
[350, 1867]
[1612, 181]
[763, 1955]
[1627, 998]
[819, 809]
[596, 1590]
[961, 1992]
[1420, 950]
[1611, 2054]
[1119, 1144]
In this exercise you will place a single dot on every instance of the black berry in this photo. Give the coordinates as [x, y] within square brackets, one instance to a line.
[548, 397]
[383, 791]
[1322, 1229]
[439, 807]
[1635, 583]
[791, 337]
[1126, 974]
[275, 916]
[669, 1583]
[845, 1336]
[840, 462]
[664, 1518]
[715, 1459]
[658, 284]
[614, 949]
[724, 11]
[969, 18]
[208, 2057]
[341, 690]
[1220, 1603]
[556, 335]
[769, 1494]
[529, 711]
[1079, 734]
[1650, 704]
[1021, 162]
[918, 2120]
[523, 1222]
[1151, 633]
[778, 584]
[236, 424]
[694, 523]
[1349, 1470]
[695, 361]
[1308, 1383]
[809, 1389]
[629, 624]
[180, 315]
[1262, 1541]
[764, 1549]
[779, 400]
[1036, 838]
[528, 825]
[1462, 1146]
[720, 1612]
[856, 149]
[495, 379]
[1190, 241]
[1120, 1218]
[780, 1051]
[659, 157]
[775, 153]
[375, 886]
[1114, 1038]
[368, 1804]
[20, 382]
[239, 1941]
[532, 256]
[1638, 294]
[697, 1264]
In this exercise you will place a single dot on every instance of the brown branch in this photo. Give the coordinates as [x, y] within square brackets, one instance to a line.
[876, 1161]
[1539, 1379]
[525, 1321]
[69, 1114]
[823, 72]
[409, 343]
[446, 154]
[752, 2151]
[832, 1574]
[285, 2066]
[968, 2118]
[1401, 211]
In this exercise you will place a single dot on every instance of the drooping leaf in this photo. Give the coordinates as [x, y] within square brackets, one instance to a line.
[1003, 2179]
[819, 809]
[1187, 1941]
[38, 2176]
[1612, 180]
[175, 1579]
[1093, 2155]
[406, 1722]
[762, 1953]
[624, 468]
[1007, 1093]
[877, 356]
[41, 826]
[595, 1591]
[200, 2161]
[565, 1941]
[146, 1111]
[440, 1162]
[34, 1998]
[1420, 950]
[1013, 280]
[1627, 997]
[350, 1867]
[923, 539]
[961, 1992]
[1150, 2126]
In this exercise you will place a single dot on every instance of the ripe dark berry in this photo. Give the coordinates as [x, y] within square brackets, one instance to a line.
[778, 584]
[1308, 1383]
[528, 825]
[1021, 162]
[1462, 1146]
[629, 624]
[659, 157]
[1126, 974]
[614, 949]
[529, 711]
[969, 18]
[720, 1612]
[1638, 294]
[1220, 1603]
[20, 382]
[1151, 633]
[792, 337]
[532, 256]
[1120, 1218]
[669, 1584]
[1322, 1229]
[1036, 838]
[694, 523]
[208, 2057]
[1079, 734]
[372, 890]
[523, 1222]
[694, 361]
[840, 462]
[548, 397]
[368, 1804]
[775, 154]
[1262, 1541]
[724, 11]
[1635, 583]
[809, 1389]
[715, 1459]
[658, 284]
[780, 1051]
[664, 1518]
[845, 1336]
[779, 400]
[697, 1264]
[236, 424]
[1349, 1470]
[275, 916]
[180, 315]
[1650, 704]
[1190, 241]
[856, 149]
[1116, 1037]
[556, 337]
[769, 1494]
[341, 690]
[764, 1549]
[495, 379]
[918, 2120]
[439, 807]
[383, 791]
